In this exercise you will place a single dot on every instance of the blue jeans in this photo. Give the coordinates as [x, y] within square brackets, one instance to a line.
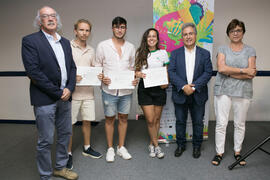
[197, 115]
[49, 117]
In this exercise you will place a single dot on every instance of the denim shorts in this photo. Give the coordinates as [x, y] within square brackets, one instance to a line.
[116, 104]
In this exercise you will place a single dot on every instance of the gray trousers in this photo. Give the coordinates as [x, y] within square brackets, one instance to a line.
[48, 118]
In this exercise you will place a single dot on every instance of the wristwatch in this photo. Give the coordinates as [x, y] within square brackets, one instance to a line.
[241, 71]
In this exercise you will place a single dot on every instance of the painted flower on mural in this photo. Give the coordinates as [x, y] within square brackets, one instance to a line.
[170, 15]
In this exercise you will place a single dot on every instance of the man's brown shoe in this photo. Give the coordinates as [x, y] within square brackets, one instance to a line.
[66, 173]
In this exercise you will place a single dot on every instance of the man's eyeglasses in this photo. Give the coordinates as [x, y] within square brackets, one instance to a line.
[46, 16]
[236, 31]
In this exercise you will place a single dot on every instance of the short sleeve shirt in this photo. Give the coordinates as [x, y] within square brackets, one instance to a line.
[225, 85]
[83, 57]
[157, 59]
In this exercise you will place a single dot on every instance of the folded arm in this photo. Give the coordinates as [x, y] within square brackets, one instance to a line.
[237, 73]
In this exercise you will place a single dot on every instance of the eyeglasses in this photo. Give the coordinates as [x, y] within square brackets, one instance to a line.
[188, 34]
[46, 16]
[236, 31]
[119, 27]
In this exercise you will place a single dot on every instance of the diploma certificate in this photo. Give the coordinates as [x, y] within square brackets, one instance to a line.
[89, 76]
[121, 79]
[155, 77]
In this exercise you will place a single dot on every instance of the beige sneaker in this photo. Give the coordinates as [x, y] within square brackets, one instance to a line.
[65, 173]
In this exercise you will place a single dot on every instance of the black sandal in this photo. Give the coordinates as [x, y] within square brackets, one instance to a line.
[217, 159]
[237, 157]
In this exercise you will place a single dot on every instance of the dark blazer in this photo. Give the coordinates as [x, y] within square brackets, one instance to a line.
[43, 69]
[178, 78]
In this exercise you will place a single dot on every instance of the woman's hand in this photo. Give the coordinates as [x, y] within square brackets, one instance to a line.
[250, 71]
[135, 82]
[139, 74]
[165, 86]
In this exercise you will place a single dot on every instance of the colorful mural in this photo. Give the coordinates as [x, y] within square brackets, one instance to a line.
[170, 15]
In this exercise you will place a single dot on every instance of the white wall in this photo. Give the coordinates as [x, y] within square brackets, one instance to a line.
[17, 17]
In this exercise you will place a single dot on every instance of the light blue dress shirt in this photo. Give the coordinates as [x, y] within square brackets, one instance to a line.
[60, 56]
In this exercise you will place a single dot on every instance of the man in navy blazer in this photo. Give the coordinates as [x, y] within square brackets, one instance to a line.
[189, 70]
[48, 62]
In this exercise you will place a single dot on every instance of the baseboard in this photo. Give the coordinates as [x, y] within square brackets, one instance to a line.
[10, 121]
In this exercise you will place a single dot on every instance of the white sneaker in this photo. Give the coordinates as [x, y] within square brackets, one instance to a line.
[151, 149]
[123, 153]
[110, 155]
[159, 152]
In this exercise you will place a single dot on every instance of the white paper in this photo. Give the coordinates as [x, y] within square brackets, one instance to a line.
[89, 76]
[121, 79]
[155, 77]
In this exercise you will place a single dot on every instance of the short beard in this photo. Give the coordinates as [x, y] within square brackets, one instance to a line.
[119, 38]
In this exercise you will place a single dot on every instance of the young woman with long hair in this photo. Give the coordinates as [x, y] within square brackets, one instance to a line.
[151, 99]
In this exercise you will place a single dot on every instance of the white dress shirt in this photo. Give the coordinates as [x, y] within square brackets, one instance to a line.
[190, 63]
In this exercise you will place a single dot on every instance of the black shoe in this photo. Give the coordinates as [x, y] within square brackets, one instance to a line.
[179, 150]
[91, 153]
[196, 153]
[69, 163]
[94, 123]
